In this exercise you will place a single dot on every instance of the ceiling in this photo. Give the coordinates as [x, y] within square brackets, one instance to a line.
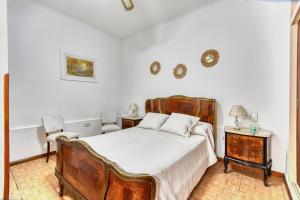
[110, 15]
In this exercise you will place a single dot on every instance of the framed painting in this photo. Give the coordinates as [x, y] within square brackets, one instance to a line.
[77, 68]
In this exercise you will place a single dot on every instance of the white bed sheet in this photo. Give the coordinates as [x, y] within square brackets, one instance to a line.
[177, 163]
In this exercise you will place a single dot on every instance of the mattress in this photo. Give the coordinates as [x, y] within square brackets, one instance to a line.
[177, 163]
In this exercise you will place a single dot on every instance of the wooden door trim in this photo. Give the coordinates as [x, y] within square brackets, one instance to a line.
[298, 109]
[6, 137]
[296, 14]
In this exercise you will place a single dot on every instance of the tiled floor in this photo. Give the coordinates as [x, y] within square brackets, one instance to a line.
[35, 180]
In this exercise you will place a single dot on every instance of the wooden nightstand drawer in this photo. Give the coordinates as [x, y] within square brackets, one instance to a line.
[126, 123]
[245, 148]
[130, 122]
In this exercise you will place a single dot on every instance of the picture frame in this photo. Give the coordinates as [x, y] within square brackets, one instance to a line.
[77, 68]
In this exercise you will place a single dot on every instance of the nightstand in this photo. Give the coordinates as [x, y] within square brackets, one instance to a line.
[128, 122]
[252, 150]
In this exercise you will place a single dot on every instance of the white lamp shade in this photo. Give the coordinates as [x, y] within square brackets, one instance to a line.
[133, 107]
[237, 110]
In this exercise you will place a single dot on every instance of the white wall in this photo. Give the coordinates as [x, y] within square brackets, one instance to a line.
[252, 38]
[36, 35]
[3, 70]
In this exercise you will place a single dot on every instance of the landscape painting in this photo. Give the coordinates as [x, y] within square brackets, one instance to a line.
[77, 68]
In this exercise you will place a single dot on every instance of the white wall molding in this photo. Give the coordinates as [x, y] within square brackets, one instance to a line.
[40, 125]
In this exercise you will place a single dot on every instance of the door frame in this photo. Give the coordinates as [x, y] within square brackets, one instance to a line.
[298, 108]
[6, 137]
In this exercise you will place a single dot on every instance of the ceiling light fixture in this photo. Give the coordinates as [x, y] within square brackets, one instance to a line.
[128, 4]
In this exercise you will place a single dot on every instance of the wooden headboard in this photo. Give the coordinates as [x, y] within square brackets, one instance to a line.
[196, 106]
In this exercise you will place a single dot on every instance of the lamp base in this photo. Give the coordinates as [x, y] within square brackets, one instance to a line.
[134, 114]
[236, 123]
[237, 128]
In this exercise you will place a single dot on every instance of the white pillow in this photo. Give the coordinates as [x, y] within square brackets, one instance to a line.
[153, 121]
[179, 124]
[204, 129]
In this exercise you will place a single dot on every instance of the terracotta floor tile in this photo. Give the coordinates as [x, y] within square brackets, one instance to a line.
[35, 180]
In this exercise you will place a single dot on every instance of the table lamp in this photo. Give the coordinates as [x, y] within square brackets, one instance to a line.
[133, 110]
[236, 111]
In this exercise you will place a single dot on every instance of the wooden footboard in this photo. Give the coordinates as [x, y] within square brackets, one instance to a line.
[91, 176]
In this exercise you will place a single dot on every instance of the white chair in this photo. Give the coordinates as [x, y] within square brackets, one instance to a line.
[109, 121]
[54, 128]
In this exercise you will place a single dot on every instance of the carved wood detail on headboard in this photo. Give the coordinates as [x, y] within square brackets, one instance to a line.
[196, 106]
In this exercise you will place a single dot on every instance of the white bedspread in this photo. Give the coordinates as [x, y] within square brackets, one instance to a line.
[177, 163]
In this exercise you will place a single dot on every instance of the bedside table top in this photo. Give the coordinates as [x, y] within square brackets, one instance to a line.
[132, 118]
[246, 131]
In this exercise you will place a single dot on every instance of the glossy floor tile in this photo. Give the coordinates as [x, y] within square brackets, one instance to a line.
[35, 180]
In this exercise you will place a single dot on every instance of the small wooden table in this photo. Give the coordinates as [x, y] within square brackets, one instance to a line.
[249, 149]
[129, 122]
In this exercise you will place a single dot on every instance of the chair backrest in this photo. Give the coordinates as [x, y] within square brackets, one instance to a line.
[53, 123]
[109, 117]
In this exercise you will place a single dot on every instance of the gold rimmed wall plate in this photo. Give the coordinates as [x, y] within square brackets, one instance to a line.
[155, 68]
[180, 71]
[210, 58]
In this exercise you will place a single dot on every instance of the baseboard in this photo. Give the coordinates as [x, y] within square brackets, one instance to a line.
[287, 186]
[30, 158]
[239, 166]
[292, 187]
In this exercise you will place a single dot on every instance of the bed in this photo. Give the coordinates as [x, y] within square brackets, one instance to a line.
[138, 163]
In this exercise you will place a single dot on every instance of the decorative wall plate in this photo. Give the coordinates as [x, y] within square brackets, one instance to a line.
[210, 58]
[180, 71]
[128, 4]
[155, 68]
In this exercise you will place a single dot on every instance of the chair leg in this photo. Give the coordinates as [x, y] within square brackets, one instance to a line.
[61, 189]
[48, 151]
